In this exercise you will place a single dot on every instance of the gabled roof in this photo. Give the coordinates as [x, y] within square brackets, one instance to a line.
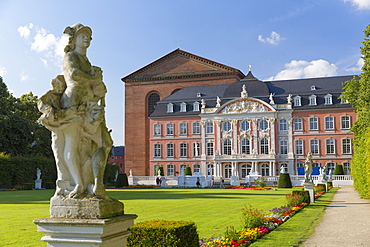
[180, 64]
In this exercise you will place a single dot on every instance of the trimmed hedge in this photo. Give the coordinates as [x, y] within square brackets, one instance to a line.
[187, 171]
[163, 233]
[338, 170]
[284, 181]
[159, 168]
[18, 171]
[122, 180]
[304, 193]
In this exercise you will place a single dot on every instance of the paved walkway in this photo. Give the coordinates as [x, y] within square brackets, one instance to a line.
[346, 222]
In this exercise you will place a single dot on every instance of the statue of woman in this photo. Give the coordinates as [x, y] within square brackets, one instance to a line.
[308, 168]
[84, 139]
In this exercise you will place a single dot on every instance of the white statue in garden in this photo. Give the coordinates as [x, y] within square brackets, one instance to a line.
[74, 111]
[308, 168]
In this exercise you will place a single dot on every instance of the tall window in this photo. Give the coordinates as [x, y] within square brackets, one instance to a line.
[169, 108]
[245, 146]
[328, 99]
[227, 147]
[283, 125]
[299, 147]
[246, 170]
[329, 123]
[226, 126]
[312, 99]
[196, 168]
[264, 146]
[283, 147]
[210, 169]
[345, 122]
[314, 125]
[169, 129]
[265, 170]
[298, 124]
[228, 171]
[314, 145]
[157, 150]
[209, 127]
[196, 128]
[170, 170]
[183, 129]
[244, 126]
[152, 102]
[196, 106]
[347, 168]
[170, 150]
[196, 149]
[330, 146]
[157, 129]
[346, 146]
[264, 124]
[210, 148]
[297, 101]
[183, 150]
[155, 168]
[183, 107]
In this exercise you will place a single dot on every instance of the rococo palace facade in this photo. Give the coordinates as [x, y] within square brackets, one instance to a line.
[191, 111]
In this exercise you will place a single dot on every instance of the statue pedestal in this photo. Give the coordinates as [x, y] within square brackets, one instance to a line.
[310, 188]
[88, 208]
[110, 232]
[38, 184]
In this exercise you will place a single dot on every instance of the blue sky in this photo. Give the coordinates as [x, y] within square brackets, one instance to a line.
[280, 39]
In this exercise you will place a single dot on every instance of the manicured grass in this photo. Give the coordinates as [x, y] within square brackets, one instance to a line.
[297, 229]
[211, 209]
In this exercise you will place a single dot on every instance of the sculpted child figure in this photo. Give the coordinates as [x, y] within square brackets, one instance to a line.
[81, 141]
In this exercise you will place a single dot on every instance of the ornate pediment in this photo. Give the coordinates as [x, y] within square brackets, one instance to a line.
[245, 106]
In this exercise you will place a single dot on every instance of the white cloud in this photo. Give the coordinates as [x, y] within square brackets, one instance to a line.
[304, 69]
[274, 38]
[24, 76]
[45, 43]
[360, 4]
[358, 67]
[2, 71]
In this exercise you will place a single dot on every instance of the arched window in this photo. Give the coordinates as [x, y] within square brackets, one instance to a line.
[245, 170]
[152, 102]
[244, 126]
[264, 124]
[227, 147]
[245, 147]
[265, 170]
[226, 126]
[228, 171]
[264, 146]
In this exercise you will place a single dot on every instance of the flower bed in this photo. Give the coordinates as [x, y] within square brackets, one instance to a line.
[257, 225]
[247, 188]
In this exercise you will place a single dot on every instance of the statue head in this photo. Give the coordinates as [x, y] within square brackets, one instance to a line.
[73, 32]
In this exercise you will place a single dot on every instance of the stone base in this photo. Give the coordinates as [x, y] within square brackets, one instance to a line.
[110, 232]
[311, 191]
[88, 208]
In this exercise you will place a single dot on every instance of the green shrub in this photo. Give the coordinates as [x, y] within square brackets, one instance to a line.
[261, 182]
[49, 185]
[159, 168]
[305, 194]
[338, 170]
[28, 186]
[122, 180]
[252, 217]
[284, 181]
[320, 187]
[330, 184]
[294, 199]
[110, 173]
[187, 171]
[162, 233]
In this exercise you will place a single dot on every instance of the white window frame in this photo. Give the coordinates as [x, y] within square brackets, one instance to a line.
[263, 124]
[329, 123]
[330, 146]
[183, 129]
[226, 126]
[209, 128]
[245, 146]
[283, 125]
[227, 147]
[170, 170]
[170, 150]
[210, 148]
[157, 150]
[264, 146]
[297, 101]
[346, 145]
[183, 150]
[345, 122]
[328, 99]
[298, 124]
[315, 146]
[196, 149]
[196, 168]
[183, 107]
[196, 128]
[157, 129]
[196, 106]
[312, 100]
[244, 125]
[314, 123]
[170, 129]
[283, 146]
[169, 108]
[298, 147]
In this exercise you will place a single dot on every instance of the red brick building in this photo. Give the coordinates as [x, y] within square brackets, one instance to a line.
[118, 157]
[184, 110]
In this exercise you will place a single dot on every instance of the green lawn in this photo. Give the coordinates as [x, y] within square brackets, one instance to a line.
[211, 209]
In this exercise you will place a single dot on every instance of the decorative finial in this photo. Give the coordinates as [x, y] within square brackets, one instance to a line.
[249, 67]
[178, 43]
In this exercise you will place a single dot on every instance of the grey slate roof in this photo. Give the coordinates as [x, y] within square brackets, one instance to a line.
[258, 89]
[118, 150]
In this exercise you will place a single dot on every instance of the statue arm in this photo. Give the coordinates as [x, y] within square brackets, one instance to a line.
[72, 67]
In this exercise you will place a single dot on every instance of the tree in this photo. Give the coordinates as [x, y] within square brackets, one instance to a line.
[357, 92]
[20, 132]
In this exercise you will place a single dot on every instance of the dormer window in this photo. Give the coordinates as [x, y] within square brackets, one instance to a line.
[313, 87]
[199, 95]
[196, 106]
[170, 108]
[328, 99]
[297, 101]
[183, 107]
[312, 99]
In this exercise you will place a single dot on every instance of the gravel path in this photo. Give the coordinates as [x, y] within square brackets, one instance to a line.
[346, 222]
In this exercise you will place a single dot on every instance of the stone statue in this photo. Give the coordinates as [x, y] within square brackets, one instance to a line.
[271, 97]
[38, 173]
[74, 112]
[308, 168]
[218, 101]
[323, 172]
[289, 99]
